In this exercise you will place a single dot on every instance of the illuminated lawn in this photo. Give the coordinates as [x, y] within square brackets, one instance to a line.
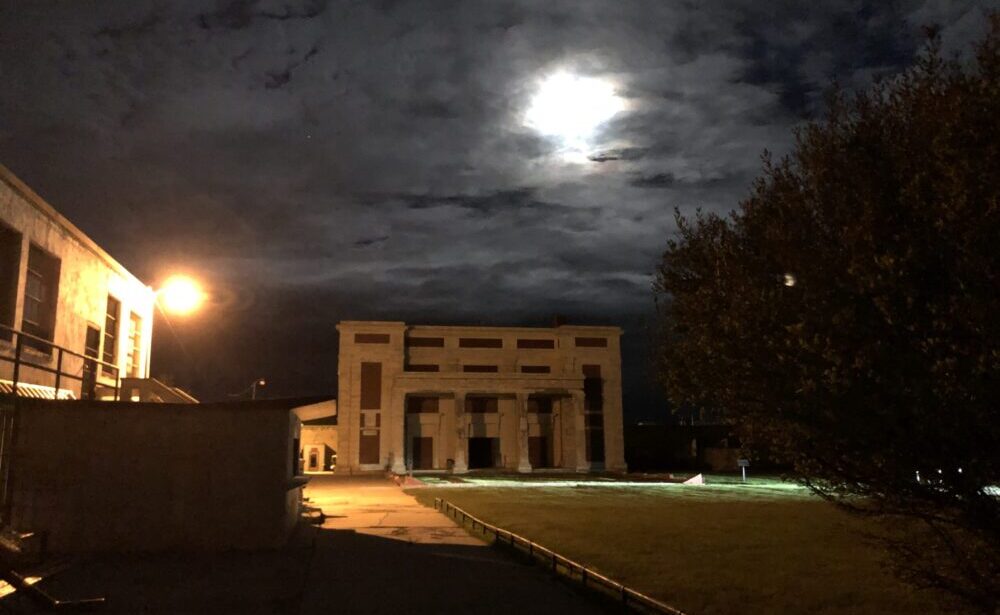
[767, 547]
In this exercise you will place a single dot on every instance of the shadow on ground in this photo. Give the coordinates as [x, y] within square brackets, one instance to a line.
[321, 571]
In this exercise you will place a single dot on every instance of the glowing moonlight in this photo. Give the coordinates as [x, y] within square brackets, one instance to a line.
[571, 108]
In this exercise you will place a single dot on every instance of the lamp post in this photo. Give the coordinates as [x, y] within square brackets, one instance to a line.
[253, 387]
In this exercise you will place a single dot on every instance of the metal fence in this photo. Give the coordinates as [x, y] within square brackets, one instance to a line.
[41, 359]
[559, 564]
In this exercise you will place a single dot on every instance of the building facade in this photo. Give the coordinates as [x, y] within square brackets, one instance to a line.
[447, 398]
[71, 307]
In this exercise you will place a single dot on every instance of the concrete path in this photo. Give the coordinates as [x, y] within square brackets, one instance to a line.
[378, 507]
[379, 551]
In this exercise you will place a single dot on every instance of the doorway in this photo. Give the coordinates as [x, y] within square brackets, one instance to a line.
[423, 453]
[484, 453]
[313, 458]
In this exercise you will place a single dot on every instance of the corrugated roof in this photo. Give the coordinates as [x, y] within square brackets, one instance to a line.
[34, 391]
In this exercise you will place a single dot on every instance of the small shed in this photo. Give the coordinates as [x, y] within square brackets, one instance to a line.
[111, 476]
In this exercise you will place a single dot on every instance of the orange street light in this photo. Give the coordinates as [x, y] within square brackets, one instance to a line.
[180, 295]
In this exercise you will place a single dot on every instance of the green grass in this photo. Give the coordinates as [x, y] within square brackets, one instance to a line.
[766, 547]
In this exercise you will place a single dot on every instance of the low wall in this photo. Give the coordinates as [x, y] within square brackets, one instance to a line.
[148, 476]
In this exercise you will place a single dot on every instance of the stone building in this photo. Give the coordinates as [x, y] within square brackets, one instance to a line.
[452, 398]
[83, 323]
[318, 442]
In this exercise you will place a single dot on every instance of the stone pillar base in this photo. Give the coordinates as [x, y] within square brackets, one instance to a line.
[524, 467]
[459, 468]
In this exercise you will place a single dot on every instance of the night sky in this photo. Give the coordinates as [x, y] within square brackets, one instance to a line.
[314, 161]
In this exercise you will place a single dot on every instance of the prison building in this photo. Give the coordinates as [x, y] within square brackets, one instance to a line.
[457, 398]
[74, 323]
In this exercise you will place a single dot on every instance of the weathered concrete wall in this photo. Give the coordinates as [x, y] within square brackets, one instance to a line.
[87, 276]
[153, 476]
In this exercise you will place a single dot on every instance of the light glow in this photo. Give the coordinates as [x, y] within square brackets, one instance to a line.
[571, 108]
[180, 295]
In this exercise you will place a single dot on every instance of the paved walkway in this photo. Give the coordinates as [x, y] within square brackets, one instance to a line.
[379, 551]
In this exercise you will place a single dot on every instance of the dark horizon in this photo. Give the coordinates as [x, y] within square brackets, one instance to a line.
[314, 161]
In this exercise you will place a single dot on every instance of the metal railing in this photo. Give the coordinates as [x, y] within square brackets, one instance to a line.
[559, 564]
[91, 365]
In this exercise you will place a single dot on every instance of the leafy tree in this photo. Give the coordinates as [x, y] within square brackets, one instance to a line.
[846, 317]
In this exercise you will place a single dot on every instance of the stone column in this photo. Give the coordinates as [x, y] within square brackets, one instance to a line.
[395, 421]
[461, 435]
[523, 458]
[580, 431]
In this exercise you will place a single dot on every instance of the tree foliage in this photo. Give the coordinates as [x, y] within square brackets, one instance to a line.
[846, 316]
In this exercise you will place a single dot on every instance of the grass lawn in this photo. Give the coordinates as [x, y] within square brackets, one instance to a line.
[765, 547]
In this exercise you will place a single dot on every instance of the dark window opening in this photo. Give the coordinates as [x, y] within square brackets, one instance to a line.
[416, 367]
[487, 405]
[92, 349]
[134, 368]
[535, 343]
[111, 322]
[480, 368]
[371, 338]
[10, 264]
[419, 405]
[371, 386]
[592, 342]
[480, 342]
[41, 292]
[535, 369]
[593, 389]
[425, 342]
[540, 404]
[595, 445]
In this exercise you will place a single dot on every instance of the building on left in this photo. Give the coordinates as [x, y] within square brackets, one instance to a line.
[74, 323]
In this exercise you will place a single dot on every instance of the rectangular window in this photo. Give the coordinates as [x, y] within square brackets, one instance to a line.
[535, 343]
[371, 338]
[480, 368]
[425, 342]
[41, 292]
[10, 265]
[540, 404]
[92, 349]
[482, 405]
[535, 369]
[592, 342]
[414, 367]
[593, 391]
[371, 386]
[420, 405]
[595, 444]
[480, 342]
[111, 324]
[134, 368]
[92, 344]
[593, 388]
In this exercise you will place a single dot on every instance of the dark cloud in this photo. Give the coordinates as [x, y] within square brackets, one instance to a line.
[371, 241]
[240, 14]
[323, 160]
